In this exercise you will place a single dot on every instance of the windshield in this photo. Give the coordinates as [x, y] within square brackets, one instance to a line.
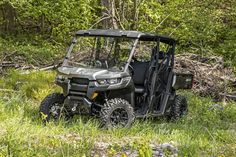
[100, 52]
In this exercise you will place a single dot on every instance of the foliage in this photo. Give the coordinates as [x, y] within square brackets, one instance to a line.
[199, 26]
[203, 132]
[38, 31]
[34, 52]
[50, 19]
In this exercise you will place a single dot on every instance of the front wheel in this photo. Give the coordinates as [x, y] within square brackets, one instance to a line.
[117, 113]
[52, 107]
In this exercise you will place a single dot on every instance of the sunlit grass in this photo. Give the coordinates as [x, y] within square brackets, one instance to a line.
[203, 132]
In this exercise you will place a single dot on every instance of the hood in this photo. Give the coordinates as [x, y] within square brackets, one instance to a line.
[91, 74]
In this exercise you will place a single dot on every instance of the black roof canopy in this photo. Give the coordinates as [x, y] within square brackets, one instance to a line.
[126, 34]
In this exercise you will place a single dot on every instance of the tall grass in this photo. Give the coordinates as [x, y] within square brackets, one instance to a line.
[203, 132]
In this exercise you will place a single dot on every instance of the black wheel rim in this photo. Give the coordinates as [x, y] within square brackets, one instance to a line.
[55, 111]
[119, 117]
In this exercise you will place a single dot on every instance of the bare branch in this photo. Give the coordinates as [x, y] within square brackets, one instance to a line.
[100, 20]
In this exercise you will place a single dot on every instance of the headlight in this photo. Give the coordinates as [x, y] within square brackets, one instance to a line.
[113, 81]
[109, 81]
[102, 82]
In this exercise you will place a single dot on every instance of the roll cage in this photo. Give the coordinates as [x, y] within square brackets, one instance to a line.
[157, 90]
[136, 35]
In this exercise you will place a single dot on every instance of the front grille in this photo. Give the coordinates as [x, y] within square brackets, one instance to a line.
[81, 81]
[78, 88]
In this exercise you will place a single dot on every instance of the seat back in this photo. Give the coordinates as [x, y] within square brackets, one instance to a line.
[140, 70]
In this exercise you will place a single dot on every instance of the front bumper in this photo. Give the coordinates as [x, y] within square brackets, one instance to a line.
[78, 88]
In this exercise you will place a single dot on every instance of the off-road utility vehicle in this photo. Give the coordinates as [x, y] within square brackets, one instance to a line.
[118, 76]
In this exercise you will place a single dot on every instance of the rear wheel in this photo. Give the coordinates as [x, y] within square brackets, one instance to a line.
[117, 113]
[184, 106]
[52, 107]
[179, 108]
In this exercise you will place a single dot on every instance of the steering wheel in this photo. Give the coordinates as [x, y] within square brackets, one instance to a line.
[98, 63]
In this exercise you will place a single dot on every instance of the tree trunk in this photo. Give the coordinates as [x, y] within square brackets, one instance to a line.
[105, 13]
[42, 23]
[9, 16]
[113, 14]
[109, 10]
[135, 15]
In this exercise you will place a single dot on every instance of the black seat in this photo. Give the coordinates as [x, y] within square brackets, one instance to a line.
[143, 72]
[139, 75]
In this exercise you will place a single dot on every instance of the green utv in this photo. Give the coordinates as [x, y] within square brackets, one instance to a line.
[118, 76]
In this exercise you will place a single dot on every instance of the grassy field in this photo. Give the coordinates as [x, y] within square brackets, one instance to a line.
[203, 132]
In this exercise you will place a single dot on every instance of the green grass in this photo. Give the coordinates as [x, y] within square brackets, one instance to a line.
[203, 132]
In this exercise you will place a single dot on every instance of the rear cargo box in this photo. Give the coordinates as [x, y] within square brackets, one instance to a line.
[183, 81]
